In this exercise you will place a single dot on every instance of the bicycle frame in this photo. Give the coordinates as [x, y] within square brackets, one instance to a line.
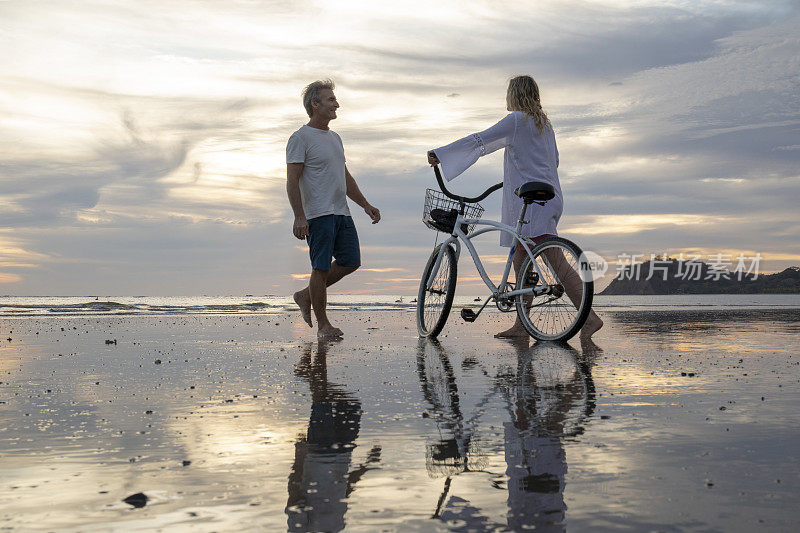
[498, 291]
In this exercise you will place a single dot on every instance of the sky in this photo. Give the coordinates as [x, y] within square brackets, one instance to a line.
[142, 143]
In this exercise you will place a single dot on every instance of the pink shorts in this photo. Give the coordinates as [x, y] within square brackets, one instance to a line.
[540, 238]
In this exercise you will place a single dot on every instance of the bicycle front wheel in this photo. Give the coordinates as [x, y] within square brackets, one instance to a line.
[434, 302]
[564, 290]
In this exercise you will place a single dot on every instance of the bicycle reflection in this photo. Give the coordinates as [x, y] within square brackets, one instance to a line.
[321, 478]
[549, 396]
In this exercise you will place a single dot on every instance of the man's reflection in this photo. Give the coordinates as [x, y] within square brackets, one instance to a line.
[549, 396]
[321, 479]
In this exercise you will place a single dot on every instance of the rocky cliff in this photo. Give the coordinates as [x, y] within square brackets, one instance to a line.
[684, 277]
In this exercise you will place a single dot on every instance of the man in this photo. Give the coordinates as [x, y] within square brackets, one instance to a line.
[318, 184]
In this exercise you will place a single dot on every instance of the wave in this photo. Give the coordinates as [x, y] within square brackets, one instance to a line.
[117, 308]
[41, 306]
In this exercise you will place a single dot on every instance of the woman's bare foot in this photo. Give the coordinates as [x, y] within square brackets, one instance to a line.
[592, 326]
[589, 348]
[520, 344]
[517, 330]
[329, 332]
[303, 301]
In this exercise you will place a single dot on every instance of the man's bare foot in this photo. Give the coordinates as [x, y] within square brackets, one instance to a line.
[323, 343]
[329, 332]
[517, 330]
[592, 326]
[303, 301]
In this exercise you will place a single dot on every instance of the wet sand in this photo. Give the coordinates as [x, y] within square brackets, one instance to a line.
[673, 421]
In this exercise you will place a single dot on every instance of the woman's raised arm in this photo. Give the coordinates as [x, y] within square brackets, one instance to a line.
[458, 156]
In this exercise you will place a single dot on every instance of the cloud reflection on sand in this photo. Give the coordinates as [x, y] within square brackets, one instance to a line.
[473, 431]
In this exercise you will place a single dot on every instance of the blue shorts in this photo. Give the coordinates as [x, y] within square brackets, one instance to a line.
[333, 236]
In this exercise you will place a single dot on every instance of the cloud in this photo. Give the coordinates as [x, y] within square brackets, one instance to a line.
[144, 142]
[621, 224]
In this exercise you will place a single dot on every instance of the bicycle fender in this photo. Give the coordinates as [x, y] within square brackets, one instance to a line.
[438, 263]
[435, 269]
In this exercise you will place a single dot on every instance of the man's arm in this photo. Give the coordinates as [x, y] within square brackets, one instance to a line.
[293, 173]
[354, 193]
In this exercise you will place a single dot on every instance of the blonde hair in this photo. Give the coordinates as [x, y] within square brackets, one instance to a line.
[523, 95]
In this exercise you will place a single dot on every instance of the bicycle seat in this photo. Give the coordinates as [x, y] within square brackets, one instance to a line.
[535, 191]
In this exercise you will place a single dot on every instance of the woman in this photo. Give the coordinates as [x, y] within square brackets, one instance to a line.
[530, 155]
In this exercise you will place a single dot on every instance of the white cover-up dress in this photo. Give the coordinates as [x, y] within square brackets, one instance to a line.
[529, 156]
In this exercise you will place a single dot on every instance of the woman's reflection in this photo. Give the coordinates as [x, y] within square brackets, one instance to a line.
[321, 478]
[548, 396]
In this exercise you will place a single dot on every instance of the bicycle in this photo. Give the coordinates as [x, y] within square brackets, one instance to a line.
[545, 295]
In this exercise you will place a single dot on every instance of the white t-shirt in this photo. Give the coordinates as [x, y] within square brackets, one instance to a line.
[323, 187]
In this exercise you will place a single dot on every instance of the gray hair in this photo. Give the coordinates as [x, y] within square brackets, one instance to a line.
[311, 93]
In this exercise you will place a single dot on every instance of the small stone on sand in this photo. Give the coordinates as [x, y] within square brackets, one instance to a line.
[138, 500]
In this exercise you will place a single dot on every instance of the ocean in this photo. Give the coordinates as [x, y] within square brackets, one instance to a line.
[54, 306]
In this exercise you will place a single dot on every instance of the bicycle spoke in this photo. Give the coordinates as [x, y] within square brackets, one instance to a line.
[559, 311]
[434, 302]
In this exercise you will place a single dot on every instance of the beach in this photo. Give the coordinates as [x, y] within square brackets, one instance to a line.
[671, 420]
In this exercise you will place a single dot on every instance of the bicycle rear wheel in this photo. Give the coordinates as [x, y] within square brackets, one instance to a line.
[559, 312]
[434, 302]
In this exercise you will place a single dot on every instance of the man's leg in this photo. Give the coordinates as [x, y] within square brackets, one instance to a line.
[303, 297]
[321, 236]
[318, 292]
[319, 301]
[337, 272]
[340, 241]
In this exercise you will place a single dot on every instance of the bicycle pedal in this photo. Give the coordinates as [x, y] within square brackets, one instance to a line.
[468, 315]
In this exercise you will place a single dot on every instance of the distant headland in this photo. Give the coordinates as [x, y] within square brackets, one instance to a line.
[671, 276]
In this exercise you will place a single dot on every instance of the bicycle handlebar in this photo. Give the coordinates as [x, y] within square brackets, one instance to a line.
[464, 199]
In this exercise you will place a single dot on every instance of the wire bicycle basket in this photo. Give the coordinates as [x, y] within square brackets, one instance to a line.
[440, 212]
